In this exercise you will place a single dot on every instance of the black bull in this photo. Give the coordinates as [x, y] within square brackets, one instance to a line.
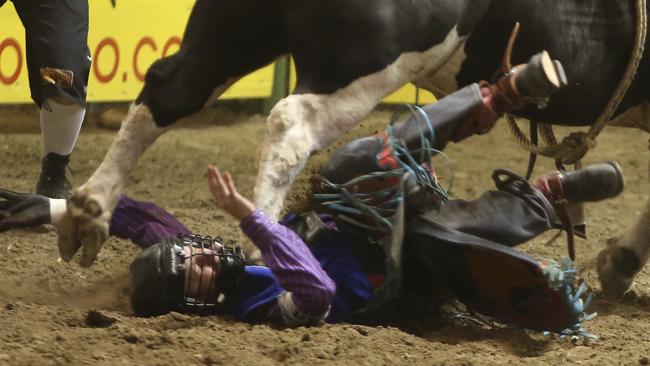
[350, 53]
[335, 42]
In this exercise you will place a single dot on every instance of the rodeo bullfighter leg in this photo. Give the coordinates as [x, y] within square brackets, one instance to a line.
[307, 122]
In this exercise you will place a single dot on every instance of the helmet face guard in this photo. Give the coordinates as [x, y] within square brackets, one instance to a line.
[158, 275]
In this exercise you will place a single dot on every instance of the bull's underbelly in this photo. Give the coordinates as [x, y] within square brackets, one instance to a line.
[442, 80]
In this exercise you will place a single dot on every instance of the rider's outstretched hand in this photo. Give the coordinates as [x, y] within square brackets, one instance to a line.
[226, 196]
[23, 210]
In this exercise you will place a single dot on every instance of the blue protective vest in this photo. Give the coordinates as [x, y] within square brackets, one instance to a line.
[258, 285]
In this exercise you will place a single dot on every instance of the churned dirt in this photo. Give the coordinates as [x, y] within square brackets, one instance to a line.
[58, 313]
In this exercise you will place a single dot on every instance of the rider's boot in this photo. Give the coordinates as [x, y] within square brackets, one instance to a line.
[530, 83]
[567, 190]
[496, 280]
[475, 108]
[470, 110]
[616, 265]
[593, 183]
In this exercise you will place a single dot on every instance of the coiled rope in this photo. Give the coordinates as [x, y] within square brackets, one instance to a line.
[378, 207]
[575, 146]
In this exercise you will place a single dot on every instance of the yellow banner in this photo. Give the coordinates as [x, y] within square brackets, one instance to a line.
[408, 94]
[123, 42]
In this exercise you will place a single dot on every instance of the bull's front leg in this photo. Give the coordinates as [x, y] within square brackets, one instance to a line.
[284, 153]
[87, 220]
[302, 124]
[625, 256]
[299, 126]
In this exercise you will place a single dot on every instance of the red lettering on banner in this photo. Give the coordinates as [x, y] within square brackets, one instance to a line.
[148, 41]
[105, 78]
[10, 42]
[171, 42]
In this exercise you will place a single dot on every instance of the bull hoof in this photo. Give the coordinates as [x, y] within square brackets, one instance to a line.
[617, 266]
[85, 225]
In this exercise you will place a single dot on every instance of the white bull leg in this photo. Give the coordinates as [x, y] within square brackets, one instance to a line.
[300, 125]
[625, 256]
[87, 219]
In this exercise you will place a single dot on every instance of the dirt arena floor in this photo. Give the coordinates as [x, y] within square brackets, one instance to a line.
[55, 313]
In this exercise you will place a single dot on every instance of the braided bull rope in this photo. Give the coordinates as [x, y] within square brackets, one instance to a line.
[381, 205]
[576, 145]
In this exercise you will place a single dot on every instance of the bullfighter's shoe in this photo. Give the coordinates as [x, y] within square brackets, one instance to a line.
[53, 182]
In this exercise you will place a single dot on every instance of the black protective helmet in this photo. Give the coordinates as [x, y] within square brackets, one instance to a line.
[158, 275]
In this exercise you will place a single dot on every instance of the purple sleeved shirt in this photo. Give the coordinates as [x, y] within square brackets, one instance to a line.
[293, 265]
[144, 223]
[286, 255]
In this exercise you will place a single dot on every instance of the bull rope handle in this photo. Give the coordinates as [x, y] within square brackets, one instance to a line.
[576, 145]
